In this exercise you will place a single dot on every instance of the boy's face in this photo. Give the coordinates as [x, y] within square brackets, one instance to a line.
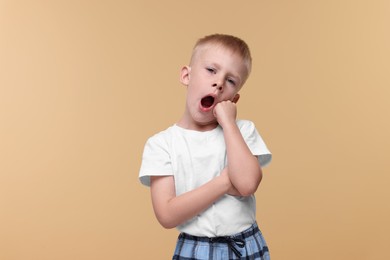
[216, 74]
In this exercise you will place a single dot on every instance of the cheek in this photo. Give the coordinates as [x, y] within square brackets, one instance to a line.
[192, 95]
[231, 96]
[231, 92]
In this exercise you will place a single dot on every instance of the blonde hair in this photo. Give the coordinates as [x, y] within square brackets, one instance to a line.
[232, 43]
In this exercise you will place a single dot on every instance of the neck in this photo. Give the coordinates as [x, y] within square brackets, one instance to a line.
[196, 126]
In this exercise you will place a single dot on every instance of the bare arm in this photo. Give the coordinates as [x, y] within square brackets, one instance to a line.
[172, 210]
[244, 170]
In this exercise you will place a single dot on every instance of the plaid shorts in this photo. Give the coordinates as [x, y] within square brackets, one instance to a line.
[249, 244]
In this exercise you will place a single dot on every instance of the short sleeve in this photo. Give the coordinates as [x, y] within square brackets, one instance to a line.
[156, 160]
[255, 142]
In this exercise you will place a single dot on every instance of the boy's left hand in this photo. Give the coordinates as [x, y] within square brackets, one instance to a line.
[225, 112]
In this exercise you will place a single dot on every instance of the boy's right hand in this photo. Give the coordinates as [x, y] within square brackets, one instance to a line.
[225, 112]
[231, 190]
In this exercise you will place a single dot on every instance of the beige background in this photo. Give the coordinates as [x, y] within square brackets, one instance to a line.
[83, 84]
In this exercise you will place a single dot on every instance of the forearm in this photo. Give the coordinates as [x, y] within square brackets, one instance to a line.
[172, 210]
[244, 170]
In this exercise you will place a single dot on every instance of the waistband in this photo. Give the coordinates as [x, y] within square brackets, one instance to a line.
[231, 241]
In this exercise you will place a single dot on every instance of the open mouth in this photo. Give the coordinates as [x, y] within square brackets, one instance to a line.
[207, 101]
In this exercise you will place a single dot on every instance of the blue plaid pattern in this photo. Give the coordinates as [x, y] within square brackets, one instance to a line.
[249, 244]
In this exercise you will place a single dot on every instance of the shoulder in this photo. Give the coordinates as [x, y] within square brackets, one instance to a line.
[162, 136]
[160, 142]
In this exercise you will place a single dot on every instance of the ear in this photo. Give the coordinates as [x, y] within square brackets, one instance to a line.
[185, 75]
[236, 98]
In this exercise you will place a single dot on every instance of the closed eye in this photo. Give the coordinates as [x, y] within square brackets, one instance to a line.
[211, 70]
[231, 81]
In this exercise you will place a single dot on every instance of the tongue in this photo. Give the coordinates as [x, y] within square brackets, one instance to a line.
[207, 101]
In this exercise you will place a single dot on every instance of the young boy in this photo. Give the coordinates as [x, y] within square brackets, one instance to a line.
[204, 170]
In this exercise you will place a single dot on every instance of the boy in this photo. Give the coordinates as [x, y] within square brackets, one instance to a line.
[204, 170]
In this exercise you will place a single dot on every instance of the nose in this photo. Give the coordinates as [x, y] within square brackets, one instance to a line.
[218, 85]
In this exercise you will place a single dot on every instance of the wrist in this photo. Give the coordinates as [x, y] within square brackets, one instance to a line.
[224, 182]
[227, 123]
[229, 126]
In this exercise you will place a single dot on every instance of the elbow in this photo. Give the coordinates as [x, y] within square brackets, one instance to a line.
[166, 224]
[250, 187]
[166, 221]
[248, 191]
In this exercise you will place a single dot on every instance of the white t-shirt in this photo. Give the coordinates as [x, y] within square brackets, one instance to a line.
[194, 158]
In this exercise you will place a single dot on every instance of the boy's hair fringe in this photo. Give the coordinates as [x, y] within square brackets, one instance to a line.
[233, 43]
